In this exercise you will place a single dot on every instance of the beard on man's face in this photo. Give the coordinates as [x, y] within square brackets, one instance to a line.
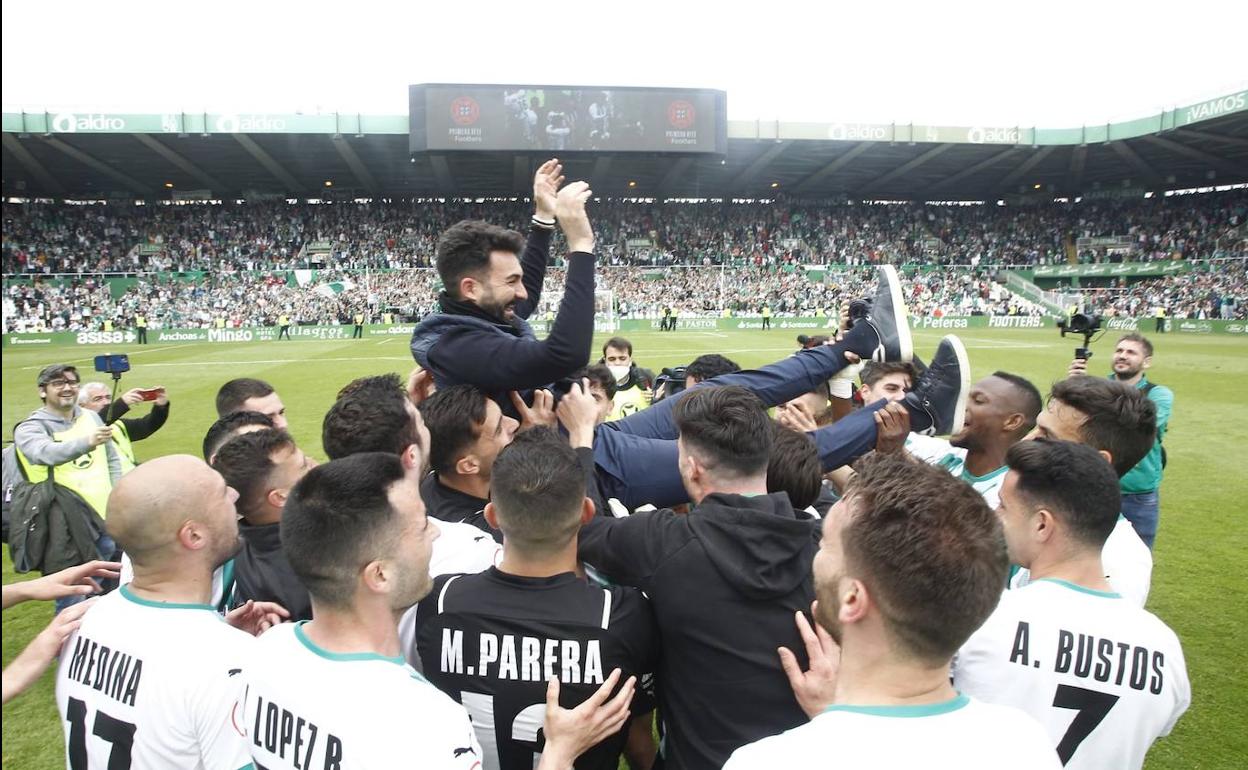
[827, 612]
[504, 311]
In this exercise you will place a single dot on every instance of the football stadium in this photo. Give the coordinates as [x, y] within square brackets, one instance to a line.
[424, 409]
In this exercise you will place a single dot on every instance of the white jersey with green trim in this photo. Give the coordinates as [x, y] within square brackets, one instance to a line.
[306, 707]
[150, 684]
[222, 581]
[1103, 676]
[959, 734]
[938, 451]
[1127, 562]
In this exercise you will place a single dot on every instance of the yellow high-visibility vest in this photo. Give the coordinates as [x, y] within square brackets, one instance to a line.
[86, 474]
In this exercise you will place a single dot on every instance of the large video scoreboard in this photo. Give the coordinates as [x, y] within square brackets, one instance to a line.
[567, 119]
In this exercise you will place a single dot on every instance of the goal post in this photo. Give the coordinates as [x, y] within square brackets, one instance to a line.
[548, 307]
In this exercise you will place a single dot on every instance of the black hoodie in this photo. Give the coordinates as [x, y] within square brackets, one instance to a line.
[262, 572]
[725, 582]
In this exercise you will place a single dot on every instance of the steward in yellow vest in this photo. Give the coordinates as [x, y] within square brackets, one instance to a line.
[83, 451]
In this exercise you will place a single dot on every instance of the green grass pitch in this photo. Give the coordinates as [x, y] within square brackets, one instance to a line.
[1198, 580]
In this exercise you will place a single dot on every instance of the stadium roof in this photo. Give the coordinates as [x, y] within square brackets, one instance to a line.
[81, 155]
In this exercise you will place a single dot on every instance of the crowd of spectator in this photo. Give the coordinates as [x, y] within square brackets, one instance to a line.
[249, 264]
[248, 299]
[64, 238]
[1205, 295]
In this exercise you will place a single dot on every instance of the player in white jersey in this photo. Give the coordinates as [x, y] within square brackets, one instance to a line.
[150, 677]
[1103, 676]
[1119, 422]
[1000, 410]
[910, 563]
[958, 734]
[355, 532]
[1128, 564]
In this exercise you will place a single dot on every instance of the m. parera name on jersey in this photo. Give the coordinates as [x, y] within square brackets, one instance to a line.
[524, 658]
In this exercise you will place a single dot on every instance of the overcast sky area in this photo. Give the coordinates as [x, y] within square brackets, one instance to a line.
[1051, 64]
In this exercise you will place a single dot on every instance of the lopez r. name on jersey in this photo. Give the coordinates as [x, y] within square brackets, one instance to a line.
[152, 684]
[1103, 676]
[492, 641]
[306, 708]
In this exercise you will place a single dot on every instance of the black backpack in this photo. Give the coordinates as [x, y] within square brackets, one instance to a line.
[48, 527]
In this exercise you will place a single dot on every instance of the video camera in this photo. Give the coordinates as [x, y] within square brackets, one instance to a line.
[1088, 326]
[669, 382]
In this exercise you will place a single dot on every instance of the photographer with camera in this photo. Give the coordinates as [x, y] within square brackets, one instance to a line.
[1141, 504]
[675, 379]
[633, 384]
[76, 448]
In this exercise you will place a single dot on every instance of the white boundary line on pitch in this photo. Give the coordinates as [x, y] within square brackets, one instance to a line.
[988, 343]
[275, 361]
[92, 358]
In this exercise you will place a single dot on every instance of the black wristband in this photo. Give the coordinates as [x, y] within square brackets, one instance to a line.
[542, 223]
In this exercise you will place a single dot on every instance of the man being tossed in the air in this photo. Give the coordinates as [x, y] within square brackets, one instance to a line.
[481, 336]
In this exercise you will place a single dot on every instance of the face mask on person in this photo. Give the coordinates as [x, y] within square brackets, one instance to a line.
[620, 373]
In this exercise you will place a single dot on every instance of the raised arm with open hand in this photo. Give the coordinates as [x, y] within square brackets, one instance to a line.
[546, 184]
[570, 211]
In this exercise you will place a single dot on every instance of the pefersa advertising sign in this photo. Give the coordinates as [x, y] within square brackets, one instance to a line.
[947, 322]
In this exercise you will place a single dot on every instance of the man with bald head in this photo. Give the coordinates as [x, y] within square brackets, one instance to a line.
[148, 680]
